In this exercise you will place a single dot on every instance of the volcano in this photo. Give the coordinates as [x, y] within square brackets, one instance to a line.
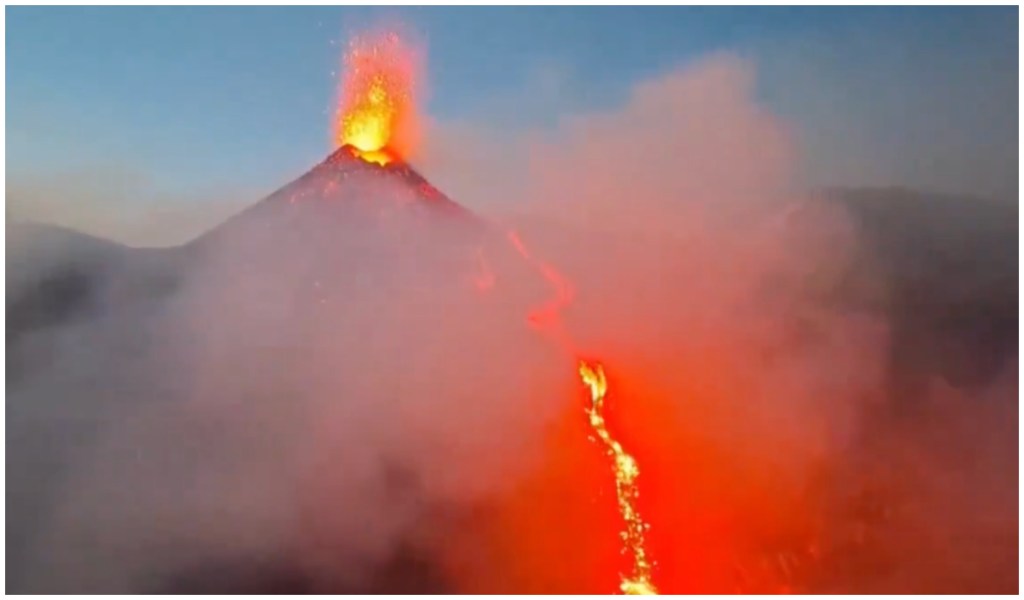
[346, 184]
[342, 215]
[345, 165]
[336, 254]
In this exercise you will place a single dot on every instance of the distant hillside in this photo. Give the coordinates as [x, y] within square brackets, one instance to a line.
[949, 267]
[56, 276]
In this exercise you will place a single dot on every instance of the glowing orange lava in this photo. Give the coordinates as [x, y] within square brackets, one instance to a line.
[376, 112]
[638, 580]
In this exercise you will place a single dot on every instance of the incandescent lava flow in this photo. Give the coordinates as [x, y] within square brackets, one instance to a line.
[638, 581]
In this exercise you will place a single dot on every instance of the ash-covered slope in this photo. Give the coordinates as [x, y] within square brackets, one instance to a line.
[346, 187]
[105, 339]
[345, 218]
[56, 274]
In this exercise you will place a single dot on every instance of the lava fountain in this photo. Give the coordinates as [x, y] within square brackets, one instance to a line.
[376, 112]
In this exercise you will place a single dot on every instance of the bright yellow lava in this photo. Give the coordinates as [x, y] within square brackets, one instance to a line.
[376, 111]
[366, 126]
[638, 580]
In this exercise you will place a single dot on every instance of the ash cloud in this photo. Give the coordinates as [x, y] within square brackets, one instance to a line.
[319, 398]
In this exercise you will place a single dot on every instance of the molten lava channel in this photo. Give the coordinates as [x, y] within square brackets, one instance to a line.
[638, 580]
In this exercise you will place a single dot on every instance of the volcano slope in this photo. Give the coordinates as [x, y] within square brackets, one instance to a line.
[139, 378]
[163, 404]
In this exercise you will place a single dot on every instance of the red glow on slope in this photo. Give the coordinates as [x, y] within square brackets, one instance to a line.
[547, 314]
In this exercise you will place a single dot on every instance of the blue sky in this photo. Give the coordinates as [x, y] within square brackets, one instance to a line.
[198, 99]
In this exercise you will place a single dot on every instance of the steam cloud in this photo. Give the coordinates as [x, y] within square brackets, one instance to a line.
[330, 401]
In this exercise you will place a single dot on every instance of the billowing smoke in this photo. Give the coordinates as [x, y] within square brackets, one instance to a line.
[703, 272]
[317, 399]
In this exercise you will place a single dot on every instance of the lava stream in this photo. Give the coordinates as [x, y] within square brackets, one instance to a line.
[638, 581]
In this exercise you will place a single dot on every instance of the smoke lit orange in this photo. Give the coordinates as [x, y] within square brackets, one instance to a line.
[376, 109]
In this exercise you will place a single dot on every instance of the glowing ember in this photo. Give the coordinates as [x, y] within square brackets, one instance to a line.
[376, 111]
[547, 313]
[638, 581]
